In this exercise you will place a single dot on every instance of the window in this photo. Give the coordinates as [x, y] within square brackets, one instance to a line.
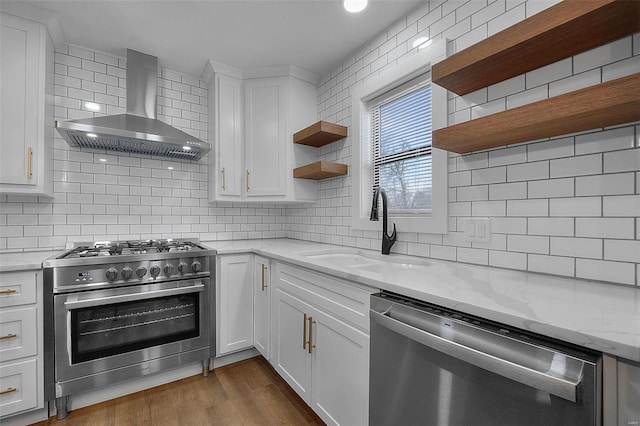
[393, 117]
[401, 148]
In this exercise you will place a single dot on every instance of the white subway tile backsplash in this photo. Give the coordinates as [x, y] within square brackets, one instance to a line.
[621, 69]
[506, 156]
[553, 226]
[547, 74]
[621, 228]
[617, 272]
[575, 82]
[552, 188]
[555, 148]
[576, 166]
[506, 191]
[506, 259]
[622, 161]
[622, 250]
[621, 206]
[602, 55]
[577, 247]
[575, 207]
[528, 171]
[613, 184]
[528, 208]
[528, 244]
[488, 176]
[609, 140]
[551, 264]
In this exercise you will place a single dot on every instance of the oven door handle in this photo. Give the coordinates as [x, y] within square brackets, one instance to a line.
[561, 387]
[110, 300]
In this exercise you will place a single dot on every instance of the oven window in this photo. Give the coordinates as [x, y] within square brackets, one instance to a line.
[107, 330]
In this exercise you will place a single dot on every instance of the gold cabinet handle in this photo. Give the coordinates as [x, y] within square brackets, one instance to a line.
[304, 332]
[8, 336]
[9, 390]
[29, 159]
[224, 186]
[10, 291]
[246, 180]
[264, 268]
[310, 342]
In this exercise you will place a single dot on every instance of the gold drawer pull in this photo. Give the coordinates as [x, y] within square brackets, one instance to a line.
[9, 390]
[304, 332]
[29, 159]
[10, 291]
[311, 345]
[264, 268]
[8, 336]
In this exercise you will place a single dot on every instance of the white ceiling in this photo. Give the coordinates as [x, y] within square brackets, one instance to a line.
[315, 35]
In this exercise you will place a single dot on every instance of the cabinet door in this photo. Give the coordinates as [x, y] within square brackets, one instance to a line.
[19, 62]
[262, 305]
[340, 366]
[265, 137]
[290, 356]
[235, 303]
[229, 129]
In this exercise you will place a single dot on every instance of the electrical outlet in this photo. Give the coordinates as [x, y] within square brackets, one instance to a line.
[477, 230]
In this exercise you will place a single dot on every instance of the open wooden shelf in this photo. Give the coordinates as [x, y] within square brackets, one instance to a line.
[320, 134]
[605, 104]
[561, 31]
[320, 170]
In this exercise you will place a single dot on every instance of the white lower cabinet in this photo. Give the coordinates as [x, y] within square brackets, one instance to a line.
[262, 305]
[234, 303]
[21, 345]
[320, 345]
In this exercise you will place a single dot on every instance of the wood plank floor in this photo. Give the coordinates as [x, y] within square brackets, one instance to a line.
[249, 392]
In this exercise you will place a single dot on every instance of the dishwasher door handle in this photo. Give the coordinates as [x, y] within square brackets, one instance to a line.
[559, 387]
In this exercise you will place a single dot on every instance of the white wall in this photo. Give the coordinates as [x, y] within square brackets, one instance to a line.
[569, 206]
[126, 196]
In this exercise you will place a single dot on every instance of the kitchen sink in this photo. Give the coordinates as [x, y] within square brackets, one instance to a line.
[366, 262]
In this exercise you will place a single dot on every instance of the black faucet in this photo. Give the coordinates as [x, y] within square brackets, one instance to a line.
[387, 240]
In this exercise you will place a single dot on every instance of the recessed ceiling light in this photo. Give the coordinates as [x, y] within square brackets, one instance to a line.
[104, 160]
[354, 6]
[92, 135]
[170, 168]
[92, 106]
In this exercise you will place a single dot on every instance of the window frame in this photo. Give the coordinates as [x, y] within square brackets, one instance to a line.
[406, 71]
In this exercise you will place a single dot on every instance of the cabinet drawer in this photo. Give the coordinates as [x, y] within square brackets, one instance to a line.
[18, 288]
[18, 391]
[341, 298]
[18, 335]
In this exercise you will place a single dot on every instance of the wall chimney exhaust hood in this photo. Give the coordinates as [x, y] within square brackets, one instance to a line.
[137, 131]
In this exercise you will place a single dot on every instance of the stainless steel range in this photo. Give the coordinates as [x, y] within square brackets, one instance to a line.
[120, 310]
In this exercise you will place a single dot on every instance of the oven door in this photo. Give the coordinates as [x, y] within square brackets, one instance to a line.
[102, 330]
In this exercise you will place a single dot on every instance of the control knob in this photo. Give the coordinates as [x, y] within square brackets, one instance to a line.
[196, 266]
[154, 271]
[112, 274]
[168, 269]
[126, 272]
[141, 271]
[182, 267]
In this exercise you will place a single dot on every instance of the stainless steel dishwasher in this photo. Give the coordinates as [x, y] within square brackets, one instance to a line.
[432, 366]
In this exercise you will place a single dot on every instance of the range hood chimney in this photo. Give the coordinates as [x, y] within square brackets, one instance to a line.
[137, 131]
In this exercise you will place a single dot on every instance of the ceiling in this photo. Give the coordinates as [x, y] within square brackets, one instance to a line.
[315, 35]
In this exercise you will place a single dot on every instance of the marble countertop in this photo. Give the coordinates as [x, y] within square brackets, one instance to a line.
[600, 316]
[603, 317]
[24, 261]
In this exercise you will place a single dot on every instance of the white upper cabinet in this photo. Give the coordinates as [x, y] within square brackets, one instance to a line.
[253, 116]
[228, 130]
[265, 137]
[26, 107]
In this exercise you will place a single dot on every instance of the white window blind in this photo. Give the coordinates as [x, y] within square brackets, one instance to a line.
[401, 149]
